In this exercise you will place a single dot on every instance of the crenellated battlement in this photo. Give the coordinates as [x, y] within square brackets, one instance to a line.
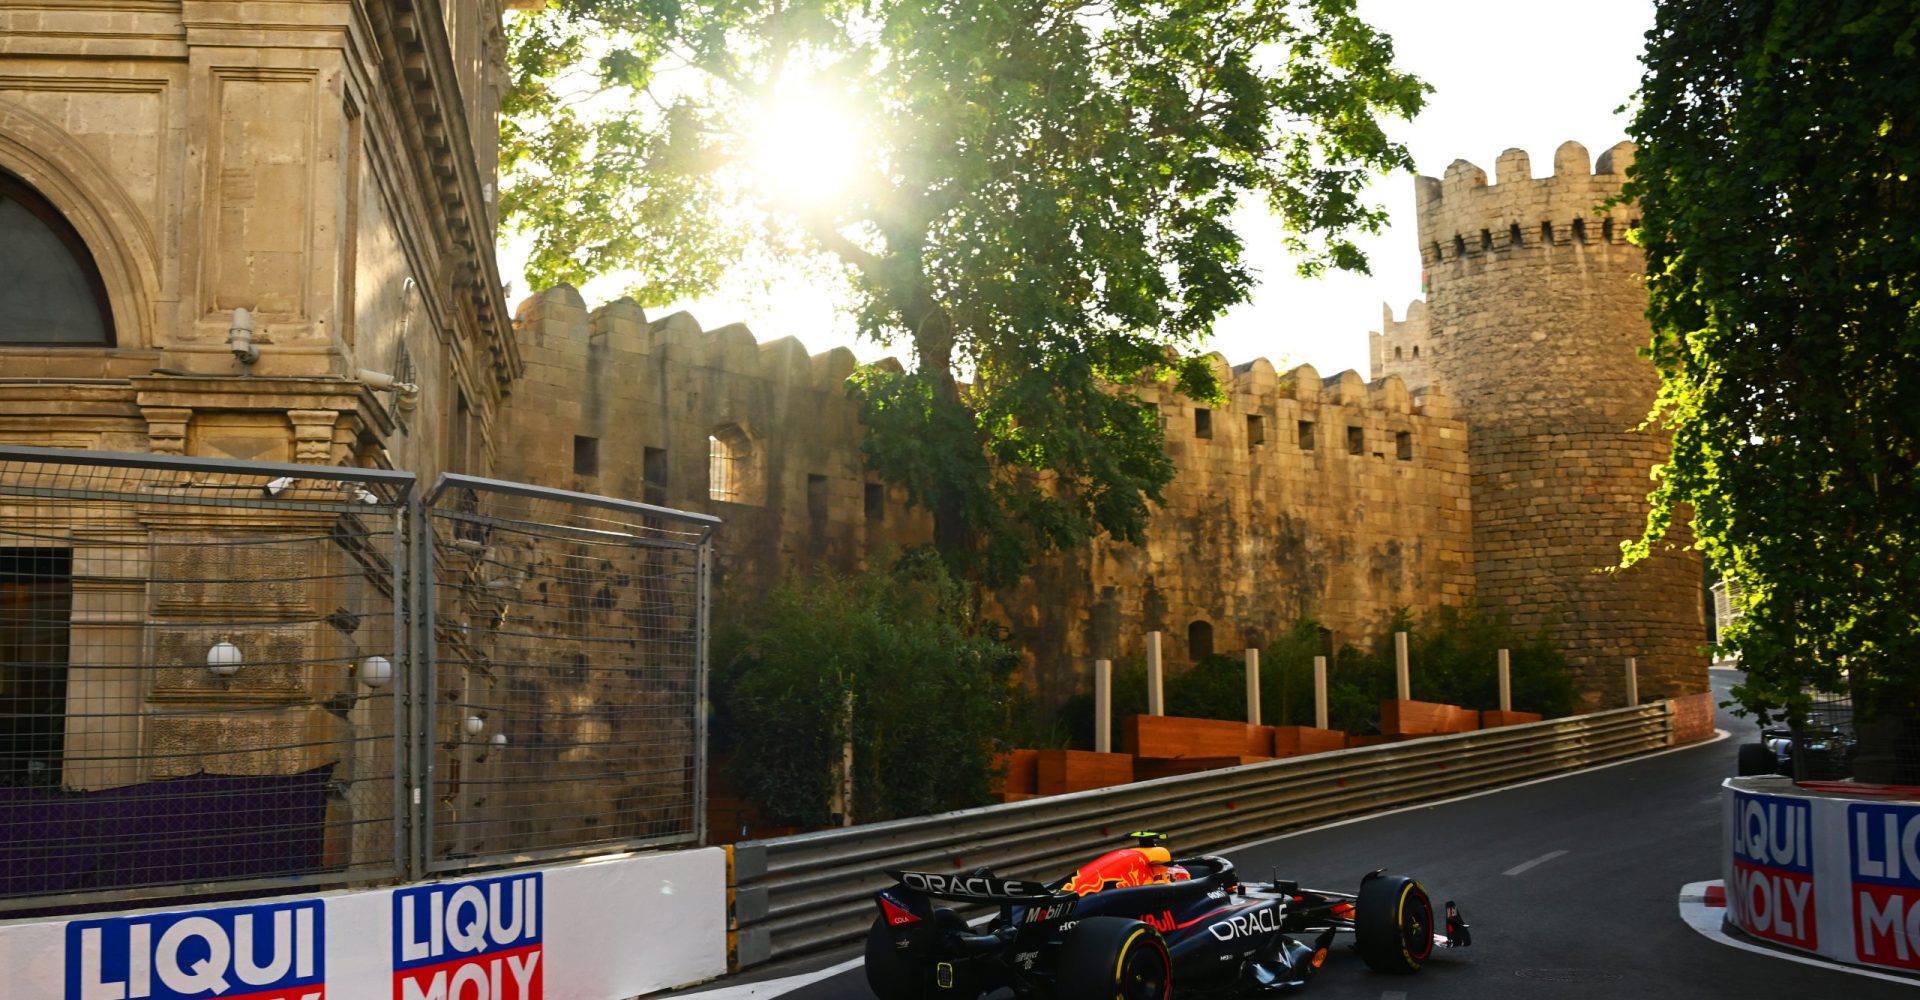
[557, 315]
[1462, 217]
[1402, 347]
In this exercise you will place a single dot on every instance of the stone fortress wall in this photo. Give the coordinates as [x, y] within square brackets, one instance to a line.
[1535, 318]
[1494, 457]
[1301, 495]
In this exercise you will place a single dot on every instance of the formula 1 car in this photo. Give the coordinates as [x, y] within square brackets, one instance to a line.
[1132, 923]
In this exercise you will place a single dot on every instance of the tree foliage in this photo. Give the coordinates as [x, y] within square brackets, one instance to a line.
[1043, 205]
[929, 690]
[1779, 142]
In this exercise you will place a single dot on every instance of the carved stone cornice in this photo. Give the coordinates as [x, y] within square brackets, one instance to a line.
[417, 57]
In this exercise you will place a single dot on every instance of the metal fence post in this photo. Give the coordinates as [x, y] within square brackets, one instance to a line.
[1506, 682]
[422, 708]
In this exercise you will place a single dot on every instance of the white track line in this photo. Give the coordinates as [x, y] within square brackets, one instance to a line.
[1708, 921]
[1526, 866]
[772, 987]
[1719, 734]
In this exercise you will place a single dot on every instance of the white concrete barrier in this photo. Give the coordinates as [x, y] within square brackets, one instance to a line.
[602, 929]
[1826, 873]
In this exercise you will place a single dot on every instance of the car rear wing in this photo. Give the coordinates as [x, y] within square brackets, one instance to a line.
[978, 888]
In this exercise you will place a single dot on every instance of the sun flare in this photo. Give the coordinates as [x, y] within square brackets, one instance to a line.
[805, 146]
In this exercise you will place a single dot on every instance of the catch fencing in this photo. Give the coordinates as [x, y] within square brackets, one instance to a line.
[569, 641]
[229, 676]
[814, 890]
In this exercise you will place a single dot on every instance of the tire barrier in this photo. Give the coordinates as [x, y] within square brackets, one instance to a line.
[792, 895]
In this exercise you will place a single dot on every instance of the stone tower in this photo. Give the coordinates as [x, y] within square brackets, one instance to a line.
[1536, 314]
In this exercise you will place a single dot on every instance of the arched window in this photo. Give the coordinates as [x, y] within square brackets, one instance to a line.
[1199, 641]
[733, 467]
[50, 289]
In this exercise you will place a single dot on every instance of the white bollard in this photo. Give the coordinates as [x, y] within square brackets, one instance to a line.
[1156, 704]
[1320, 692]
[1400, 678]
[1253, 687]
[1103, 706]
[1633, 683]
[1506, 684]
[842, 804]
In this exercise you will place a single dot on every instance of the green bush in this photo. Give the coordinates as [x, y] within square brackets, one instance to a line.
[930, 690]
[1452, 655]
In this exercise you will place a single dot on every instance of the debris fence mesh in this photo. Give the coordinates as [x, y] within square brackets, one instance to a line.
[196, 674]
[263, 675]
[569, 656]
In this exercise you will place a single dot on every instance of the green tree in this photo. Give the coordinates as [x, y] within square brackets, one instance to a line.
[929, 691]
[1779, 141]
[1038, 197]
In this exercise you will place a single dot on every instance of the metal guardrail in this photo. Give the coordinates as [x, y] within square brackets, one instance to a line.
[810, 891]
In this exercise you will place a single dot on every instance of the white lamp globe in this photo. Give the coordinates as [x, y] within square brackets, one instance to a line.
[476, 725]
[224, 659]
[376, 671]
[499, 739]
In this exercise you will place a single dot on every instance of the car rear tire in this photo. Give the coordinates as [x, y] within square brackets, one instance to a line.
[1393, 924]
[1113, 958]
[890, 974]
[1756, 758]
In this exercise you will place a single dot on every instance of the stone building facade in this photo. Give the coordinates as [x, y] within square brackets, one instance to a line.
[319, 176]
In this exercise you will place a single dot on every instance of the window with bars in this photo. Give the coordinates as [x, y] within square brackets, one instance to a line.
[36, 604]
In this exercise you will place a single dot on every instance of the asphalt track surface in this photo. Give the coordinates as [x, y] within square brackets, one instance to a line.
[1570, 885]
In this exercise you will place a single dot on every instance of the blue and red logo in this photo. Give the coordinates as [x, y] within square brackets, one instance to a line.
[276, 951]
[1772, 891]
[477, 940]
[1884, 863]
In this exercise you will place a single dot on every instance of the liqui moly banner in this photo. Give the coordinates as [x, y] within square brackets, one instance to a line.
[274, 951]
[475, 940]
[1824, 873]
[1770, 889]
[1883, 894]
[604, 929]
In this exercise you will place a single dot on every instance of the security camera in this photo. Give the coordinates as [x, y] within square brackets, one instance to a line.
[383, 382]
[240, 338]
[278, 486]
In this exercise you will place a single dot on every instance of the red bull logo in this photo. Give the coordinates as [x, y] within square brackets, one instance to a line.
[1121, 869]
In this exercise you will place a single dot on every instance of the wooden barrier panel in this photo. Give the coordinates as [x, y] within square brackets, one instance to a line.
[1492, 718]
[1172, 736]
[1057, 772]
[1145, 768]
[1425, 718]
[1293, 741]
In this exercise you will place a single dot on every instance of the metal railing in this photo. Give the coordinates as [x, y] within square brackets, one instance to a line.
[205, 665]
[801, 893]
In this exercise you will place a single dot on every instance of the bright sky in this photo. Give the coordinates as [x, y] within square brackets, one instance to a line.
[1507, 73]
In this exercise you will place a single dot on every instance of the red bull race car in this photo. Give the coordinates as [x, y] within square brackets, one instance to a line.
[1135, 921]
